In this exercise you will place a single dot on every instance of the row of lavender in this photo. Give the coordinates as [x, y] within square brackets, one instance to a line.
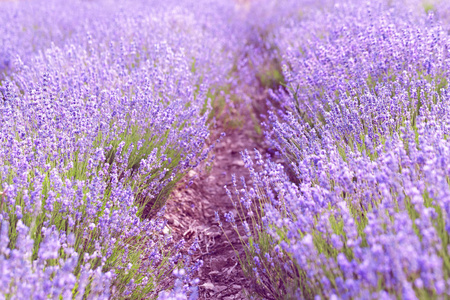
[100, 114]
[361, 206]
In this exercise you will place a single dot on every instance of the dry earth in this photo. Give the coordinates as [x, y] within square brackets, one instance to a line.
[190, 213]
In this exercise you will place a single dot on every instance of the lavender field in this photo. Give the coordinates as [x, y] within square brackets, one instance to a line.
[120, 122]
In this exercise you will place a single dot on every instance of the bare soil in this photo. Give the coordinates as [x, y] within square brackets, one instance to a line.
[190, 213]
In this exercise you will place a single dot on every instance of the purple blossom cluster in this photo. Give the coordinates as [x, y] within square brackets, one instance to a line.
[102, 111]
[359, 209]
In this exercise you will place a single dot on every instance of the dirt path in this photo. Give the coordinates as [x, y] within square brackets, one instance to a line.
[190, 212]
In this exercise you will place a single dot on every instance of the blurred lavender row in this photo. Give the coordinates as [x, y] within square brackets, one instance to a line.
[103, 109]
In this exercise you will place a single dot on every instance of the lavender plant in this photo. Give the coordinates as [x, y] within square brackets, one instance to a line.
[362, 126]
[97, 126]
